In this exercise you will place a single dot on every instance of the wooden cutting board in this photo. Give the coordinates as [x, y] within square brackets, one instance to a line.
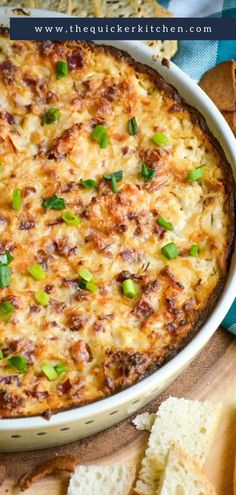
[211, 376]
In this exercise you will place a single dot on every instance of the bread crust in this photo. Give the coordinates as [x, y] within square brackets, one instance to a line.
[133, 366]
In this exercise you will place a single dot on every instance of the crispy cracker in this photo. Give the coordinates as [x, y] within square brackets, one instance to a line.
[219, 84]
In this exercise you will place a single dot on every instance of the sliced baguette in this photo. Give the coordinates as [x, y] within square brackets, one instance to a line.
[190, 424]
[117, 479]
[183, 475]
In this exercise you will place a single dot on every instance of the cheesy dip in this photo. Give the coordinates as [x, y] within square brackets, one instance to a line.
[116, 223]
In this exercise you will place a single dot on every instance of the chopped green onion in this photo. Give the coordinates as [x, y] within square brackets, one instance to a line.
[170, 251]
[16, 199]
[54, 203]
[85, 274]
[62, 69]
[133, 126]
[70, 218]
[88, 286]
[117, 175]
[60, 368]
[114, 185]
[104, 142]
[89, 183]
[42, 297]
[147, 173]
[195, 174]
[37, 272]
[194, 251]
[128, 288]
[163, 223]
[6, 259]
[160, 139]
[49, 371]
[100, 135]
[6, 311]
[1, 354]
[51, 116]
[19, 363]
[5, 276]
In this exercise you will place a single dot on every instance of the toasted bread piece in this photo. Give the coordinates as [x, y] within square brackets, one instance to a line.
[183, 475]
[191, 424]
[117, 479]
[220, 85]
[144, 421]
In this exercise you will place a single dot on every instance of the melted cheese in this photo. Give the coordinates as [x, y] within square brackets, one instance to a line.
[106, 340]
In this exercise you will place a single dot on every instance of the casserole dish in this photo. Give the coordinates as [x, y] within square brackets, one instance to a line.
[126, 402]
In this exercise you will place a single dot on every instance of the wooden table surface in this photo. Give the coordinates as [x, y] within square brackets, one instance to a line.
[211, 376]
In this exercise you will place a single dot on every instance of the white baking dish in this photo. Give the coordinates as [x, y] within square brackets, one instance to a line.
[36, 432]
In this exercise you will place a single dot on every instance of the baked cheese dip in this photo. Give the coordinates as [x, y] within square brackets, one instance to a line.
[116, 223]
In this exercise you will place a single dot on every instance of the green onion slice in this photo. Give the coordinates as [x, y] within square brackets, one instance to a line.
[51, 116]
[147, 173]
[60, 368]
[16, 199]
[163, 223]
[19, 363]
[49, 371]
[89, 183]
[37, 272]
[128, 288]
[160, 139]
[6, 259]
[6, 311]
[5, 276]
[90, 286]
[62, 69]
[194, 251]
[42, 297]
[71, 219]
[195, 174]
[1, 354]
[117, 175]
[133, 126]
[85, 274]
[114, 185]
[100, 135]
[170, 251]
[54, 203]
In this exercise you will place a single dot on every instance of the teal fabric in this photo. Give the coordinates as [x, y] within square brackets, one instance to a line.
[196, 57]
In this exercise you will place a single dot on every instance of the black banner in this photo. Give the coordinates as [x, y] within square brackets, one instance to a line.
[75, 28]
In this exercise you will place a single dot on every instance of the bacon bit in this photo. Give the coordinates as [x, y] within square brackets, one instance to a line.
[166, 272]
[151, 157]
[122, 366]
[60, 463]
[94, 122]
[9, 380]
[124, 275]
[8, 71]
[27, 224]
[160, 232]
[48, 288]
[142, 309]
[122, 228]
[51, 97]
[62, 145]
[80, 351]
[64, 387]
[76, 321]
[129, 255]
[10, 400]
[171, 327]
[28, 190]
[34, 309]
[69, 187]
[8, 117]
[63, 248]
[73, 284]
[99, 241]
[209, 200]
[98, 328]
[125, 150]
[57, 306]
[2, 474]
[111, 92]
[30, 81]
[151, 287]
[57, 221]
[76, 60]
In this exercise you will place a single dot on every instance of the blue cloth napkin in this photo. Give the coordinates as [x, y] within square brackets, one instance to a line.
[196, 57]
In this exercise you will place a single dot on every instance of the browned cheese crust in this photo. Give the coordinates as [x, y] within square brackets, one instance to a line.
[99, 341]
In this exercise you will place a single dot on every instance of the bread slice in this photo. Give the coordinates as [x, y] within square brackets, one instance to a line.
[117, 479]
[144, 421]
[190, 424]
[220, 85]
[182, 475]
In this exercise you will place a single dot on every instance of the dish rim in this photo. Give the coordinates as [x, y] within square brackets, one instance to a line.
[217, 124]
